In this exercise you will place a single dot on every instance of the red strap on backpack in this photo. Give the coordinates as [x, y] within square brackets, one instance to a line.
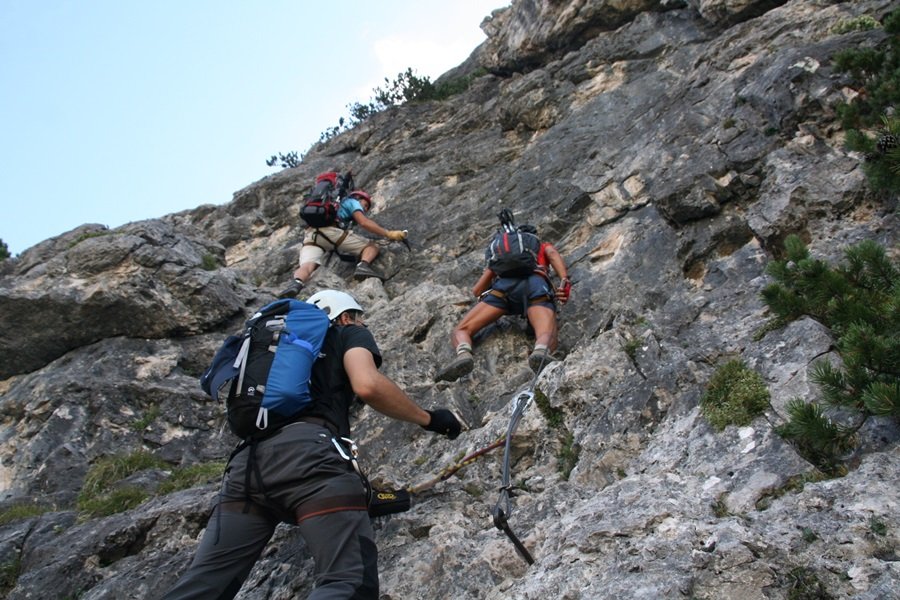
[329, 176]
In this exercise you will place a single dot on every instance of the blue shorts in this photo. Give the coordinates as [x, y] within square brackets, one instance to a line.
[516, 294]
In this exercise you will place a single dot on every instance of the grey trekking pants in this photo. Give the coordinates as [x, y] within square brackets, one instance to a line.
[305, 481]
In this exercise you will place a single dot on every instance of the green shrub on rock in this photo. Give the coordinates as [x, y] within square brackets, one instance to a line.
[735, 395]
[870, 117]
[859, 301]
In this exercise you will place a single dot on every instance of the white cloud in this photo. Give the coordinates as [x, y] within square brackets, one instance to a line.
[425, 56]
[426, 49]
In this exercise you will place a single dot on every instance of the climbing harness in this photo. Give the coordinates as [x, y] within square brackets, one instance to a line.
[333, 251]
[524, 301]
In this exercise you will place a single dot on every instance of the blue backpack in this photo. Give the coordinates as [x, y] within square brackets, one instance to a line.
[264, 372]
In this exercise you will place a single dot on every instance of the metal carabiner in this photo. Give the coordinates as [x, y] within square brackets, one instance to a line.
[340, 449]
[523, 399]
[354, 449]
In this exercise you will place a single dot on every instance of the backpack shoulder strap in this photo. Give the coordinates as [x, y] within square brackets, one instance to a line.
[241, 361]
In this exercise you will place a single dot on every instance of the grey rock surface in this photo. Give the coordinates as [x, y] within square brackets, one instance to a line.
[666, 149]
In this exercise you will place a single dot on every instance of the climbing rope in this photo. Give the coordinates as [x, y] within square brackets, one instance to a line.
[448, 472]
[503, 509]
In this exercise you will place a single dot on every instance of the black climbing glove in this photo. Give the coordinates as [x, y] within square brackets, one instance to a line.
[444, 422]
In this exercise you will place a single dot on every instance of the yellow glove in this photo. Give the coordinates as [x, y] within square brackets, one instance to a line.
[396, 235]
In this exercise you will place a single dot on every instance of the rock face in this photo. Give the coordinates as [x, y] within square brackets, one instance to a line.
[667, 149]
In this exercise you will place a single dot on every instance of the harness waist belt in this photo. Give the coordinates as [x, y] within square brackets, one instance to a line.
[334, 244]
[324, 506]
[535, 300]
[319, 421]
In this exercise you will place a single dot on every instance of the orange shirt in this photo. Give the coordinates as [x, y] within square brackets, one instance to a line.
[542, 261]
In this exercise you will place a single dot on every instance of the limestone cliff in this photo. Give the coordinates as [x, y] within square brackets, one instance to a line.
[666, 148]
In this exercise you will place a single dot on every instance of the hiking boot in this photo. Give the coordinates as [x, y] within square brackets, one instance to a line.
[364, 270]
[292, 290]
[539, 359]
[461, 365]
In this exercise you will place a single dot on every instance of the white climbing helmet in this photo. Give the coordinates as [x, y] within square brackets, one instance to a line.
[334, 302]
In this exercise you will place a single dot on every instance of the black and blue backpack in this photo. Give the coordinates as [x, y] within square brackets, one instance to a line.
[264, 372]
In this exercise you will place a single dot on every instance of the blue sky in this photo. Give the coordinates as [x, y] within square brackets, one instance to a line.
[115, 111]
